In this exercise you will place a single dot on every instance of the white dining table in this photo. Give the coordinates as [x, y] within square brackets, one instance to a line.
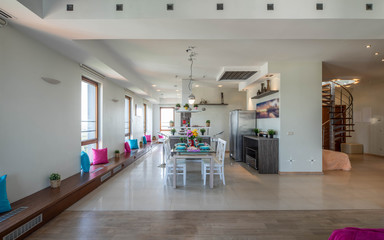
[191, 156]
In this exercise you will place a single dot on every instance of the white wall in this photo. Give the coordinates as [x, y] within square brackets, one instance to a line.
[369, 115]
[300, 113]
[40, 123]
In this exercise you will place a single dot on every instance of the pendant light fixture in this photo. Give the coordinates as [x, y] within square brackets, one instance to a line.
[192, 54]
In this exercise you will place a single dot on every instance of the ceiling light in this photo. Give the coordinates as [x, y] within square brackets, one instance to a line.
[191, 99]
[376, 53]
[158, 90]
[197, 85]
[177, 90]
[220, 85]
[153, 85]
[382, 59]
[368, 46]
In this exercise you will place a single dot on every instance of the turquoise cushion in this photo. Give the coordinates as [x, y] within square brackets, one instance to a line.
[181, 144]
[200, 144]
[4, 203]
[144, 140]
[133, 144]
[204, 148]
[181, 148]
[85, 163]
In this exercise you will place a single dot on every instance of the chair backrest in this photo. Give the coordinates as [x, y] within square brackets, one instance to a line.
[220, 152]
[167, 149]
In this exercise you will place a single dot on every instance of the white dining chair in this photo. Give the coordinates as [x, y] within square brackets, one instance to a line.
[181, 166]
[218, 166]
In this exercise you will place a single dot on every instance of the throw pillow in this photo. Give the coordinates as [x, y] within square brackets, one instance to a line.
[127, 148]
[4, 203]
[100, 156]
[144, 140]
[133, 144]
[148, 137]
[85, 163]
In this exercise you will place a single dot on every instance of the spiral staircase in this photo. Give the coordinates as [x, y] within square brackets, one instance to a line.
[338, 124]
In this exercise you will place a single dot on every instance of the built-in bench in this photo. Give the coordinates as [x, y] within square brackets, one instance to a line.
[30, 213]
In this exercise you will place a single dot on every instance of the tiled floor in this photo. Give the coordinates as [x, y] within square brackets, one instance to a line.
[140, 187]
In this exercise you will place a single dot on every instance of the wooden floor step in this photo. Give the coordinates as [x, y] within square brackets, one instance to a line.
[341, 118]
[343, 124]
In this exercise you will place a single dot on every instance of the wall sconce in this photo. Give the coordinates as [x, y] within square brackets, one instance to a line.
[51, 80]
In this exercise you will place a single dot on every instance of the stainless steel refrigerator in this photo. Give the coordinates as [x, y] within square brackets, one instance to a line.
[241, 123]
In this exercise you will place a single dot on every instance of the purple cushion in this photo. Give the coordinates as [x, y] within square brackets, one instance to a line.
[148, 137]
[127, 148]
[100, 156]
[351, 233]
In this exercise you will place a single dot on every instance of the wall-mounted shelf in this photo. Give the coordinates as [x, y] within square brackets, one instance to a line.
[187, 111]
[265, 94]
[223, 104]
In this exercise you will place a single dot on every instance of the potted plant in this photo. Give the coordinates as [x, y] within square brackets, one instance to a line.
[117, 153]
[55, 180]
[202, 131]
[182, 139]
[199, 139]
[208, 123]
[271, 132]
[195, 106]
[141, 144]
[178, 106]
[256, 131]
[173, 131]
[171, 123]
[186, 106]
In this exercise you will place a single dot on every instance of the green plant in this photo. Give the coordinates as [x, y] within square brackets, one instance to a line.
[173, 131]
[202, 131]
[117, 151]
[195, 105]
[171, 121]
[256, 130]
[271, 132]
[178, 105]
[199, 139]
[186, 105]
[182, 139]
[208, 121]
[54, 176]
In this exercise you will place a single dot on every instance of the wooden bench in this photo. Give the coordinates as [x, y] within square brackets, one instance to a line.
[37, 209]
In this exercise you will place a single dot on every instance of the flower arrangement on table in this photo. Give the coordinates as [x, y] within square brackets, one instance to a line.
[193, 149]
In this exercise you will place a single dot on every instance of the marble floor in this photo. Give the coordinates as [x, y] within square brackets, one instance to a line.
[140, 187]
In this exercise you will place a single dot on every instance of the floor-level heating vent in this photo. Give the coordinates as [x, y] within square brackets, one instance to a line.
[116, 169]
[24, 228]
[105, 176]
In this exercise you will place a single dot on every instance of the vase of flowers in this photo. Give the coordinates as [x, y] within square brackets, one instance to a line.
[192, 135]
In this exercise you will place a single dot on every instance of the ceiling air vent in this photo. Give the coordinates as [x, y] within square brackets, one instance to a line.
[4, 14]
[236, 75]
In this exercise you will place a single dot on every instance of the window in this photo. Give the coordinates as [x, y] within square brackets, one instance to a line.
[166, 114]
[145, 118]
[89, 115]
[127, 121]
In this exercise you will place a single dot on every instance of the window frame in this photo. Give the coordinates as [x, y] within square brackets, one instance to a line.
[173, 118]
[129, 117]
[145, 118]
[96, 139]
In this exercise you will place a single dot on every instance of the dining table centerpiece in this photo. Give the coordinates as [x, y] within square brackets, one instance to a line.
[192, 134]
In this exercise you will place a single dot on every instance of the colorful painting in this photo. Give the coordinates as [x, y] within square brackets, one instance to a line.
[268, 109]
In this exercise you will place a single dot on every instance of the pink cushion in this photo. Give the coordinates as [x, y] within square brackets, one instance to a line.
[351, 233]
[100, 156]
[127, 148]
[161, 136]
[148, 137]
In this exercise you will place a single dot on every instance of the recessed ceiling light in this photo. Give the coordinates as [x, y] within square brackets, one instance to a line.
[177, 90]
[382, 59]
[153, 85]
[220, 85]
[70, 7]
[158, 90]
[197, 85]
[368, 46]
[376, 53]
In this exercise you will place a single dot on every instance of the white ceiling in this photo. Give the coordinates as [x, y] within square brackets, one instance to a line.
[137, 53]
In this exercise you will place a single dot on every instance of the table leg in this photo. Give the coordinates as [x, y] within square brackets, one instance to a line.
[211, 173]
[174, 173]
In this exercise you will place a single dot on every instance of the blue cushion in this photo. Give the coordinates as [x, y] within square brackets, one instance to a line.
[133, 144]
[181, 144]
[204, 147]
[144, 140]
[181, 148]
[4, 203]
[85, 163]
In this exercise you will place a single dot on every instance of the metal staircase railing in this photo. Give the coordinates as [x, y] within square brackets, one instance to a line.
[340, 124]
